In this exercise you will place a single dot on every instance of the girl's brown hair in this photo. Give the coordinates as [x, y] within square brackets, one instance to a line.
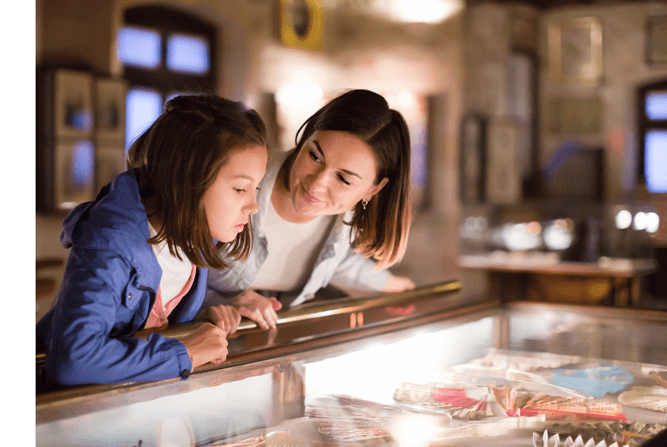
[381, 230]
[178, 158]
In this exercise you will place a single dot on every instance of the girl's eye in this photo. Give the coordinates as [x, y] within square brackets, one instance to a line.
[240, 191]
[342, 179]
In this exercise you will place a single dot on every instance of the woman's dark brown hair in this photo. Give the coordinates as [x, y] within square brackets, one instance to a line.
[381, 230]
[178, 158]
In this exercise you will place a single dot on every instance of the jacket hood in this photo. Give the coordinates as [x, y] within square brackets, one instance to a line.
[112, 222]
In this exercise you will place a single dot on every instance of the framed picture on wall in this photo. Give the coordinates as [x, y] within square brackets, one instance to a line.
[575, 51]
[473, 161]
[503, 172]
[656, 40]
[73, 103]
[110, 108]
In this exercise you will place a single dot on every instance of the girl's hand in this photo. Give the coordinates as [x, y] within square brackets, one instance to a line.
[226, 318]
[261, 310]
[398, 284]
[207, 343]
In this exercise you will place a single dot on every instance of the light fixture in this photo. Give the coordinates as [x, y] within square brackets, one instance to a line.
[640, 221]
[417, 11]
[652, 222]
[623, 219]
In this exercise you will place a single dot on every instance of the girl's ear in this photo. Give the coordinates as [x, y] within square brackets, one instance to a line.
[375, 189]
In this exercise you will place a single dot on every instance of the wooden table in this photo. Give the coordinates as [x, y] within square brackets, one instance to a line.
[625, 276]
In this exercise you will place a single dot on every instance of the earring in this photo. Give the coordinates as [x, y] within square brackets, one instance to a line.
[364, 204]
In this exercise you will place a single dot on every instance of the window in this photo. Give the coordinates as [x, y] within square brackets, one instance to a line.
[652, 144]
[165, 53]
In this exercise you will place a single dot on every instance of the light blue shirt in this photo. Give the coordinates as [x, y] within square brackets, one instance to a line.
[336, 262]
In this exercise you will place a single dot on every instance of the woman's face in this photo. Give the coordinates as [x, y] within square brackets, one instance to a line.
[333, 171]
[232, 197]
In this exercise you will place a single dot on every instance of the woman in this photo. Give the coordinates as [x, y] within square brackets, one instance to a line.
[140, 252]
[340, 198]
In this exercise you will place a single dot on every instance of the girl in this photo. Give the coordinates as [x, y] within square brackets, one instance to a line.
[140, 252]
[340, 198]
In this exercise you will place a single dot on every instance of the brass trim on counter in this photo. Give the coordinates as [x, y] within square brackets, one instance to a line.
[303, 313]
[320, 309]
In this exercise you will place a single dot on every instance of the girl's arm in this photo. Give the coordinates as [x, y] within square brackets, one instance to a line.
[96, 313]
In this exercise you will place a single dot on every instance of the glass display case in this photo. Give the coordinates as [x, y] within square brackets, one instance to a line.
[413, 368]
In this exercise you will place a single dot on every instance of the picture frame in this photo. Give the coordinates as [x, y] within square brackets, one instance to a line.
[656, 40]
[73, 104]
[110, 96]
[503, 172]
[575, 51]
[472, 159]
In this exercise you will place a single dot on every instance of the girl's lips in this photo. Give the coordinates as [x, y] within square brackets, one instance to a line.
[239, 228]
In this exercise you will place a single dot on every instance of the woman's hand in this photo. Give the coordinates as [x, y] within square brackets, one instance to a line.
[398, 284]
[207, 343]
[261, 310]
[226, 318]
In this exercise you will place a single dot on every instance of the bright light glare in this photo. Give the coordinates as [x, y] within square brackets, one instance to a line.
[291, 94]
[640, 221]
[623, 219]
[556, 237]
[652, 222]
[422, 11]
[517, 237]
[413, 430]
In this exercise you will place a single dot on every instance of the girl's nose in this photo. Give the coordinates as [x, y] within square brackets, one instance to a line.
[252, 207]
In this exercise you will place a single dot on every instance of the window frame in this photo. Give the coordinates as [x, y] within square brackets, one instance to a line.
[166, 21]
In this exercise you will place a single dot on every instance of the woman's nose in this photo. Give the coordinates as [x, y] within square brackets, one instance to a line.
[317, 181]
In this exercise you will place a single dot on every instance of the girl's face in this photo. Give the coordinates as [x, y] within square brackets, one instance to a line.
[232, 197]
[332, 172]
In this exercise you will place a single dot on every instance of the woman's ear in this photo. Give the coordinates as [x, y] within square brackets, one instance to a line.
[375, 189]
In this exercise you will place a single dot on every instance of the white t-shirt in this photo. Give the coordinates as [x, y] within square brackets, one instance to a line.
[175, 272]
[293, 249]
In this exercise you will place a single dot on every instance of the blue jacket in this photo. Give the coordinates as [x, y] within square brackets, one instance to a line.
[337, 263]
[110, 284]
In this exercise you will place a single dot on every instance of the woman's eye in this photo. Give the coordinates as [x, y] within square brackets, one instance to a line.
[342, 179]
[313, 156]
[240, 191]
